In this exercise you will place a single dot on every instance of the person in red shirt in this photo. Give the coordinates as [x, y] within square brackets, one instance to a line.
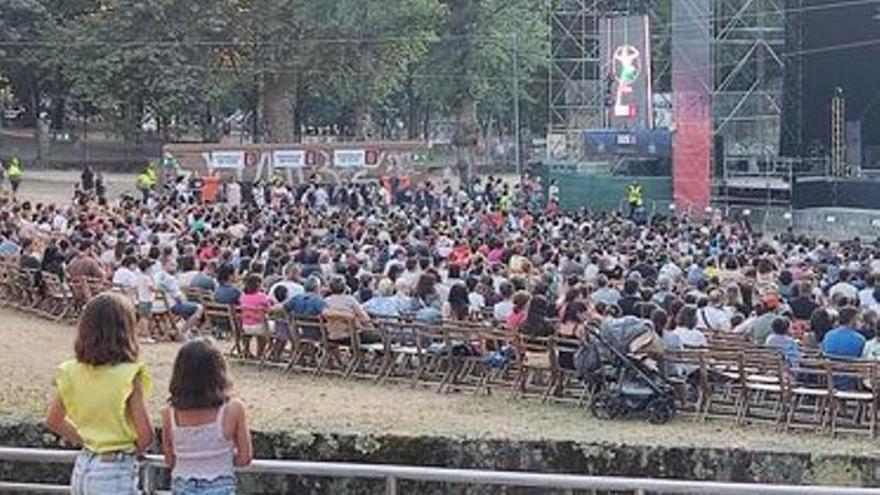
[461, 254]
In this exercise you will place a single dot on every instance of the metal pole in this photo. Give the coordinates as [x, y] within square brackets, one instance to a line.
[516, 124]
[391, 485]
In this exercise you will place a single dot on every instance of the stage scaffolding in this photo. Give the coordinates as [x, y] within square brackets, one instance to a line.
[755, 78]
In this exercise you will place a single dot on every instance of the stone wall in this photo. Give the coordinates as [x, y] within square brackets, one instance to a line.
[552, 457]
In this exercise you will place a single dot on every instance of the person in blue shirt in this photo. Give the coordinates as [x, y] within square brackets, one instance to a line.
[310, 305]
[226, 293]
[844, 341]
[782, 342]
[8, 247]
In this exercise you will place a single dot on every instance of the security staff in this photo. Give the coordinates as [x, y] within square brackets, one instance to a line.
[634, 198]
[14, 173]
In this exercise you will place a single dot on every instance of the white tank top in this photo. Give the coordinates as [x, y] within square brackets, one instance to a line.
[202, 452]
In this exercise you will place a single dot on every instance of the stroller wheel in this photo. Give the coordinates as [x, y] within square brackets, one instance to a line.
[605, 406]
[661, 410]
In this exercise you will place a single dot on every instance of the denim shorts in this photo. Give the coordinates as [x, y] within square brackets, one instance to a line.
[224, 485]
[94, 474]
[185, 309]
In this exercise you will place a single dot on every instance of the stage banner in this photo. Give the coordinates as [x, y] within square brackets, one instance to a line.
[229, 160]
[626, 67]
[350, 158]
[692, 83]
[289, 158]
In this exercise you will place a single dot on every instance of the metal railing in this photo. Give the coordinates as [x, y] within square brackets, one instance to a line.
[393, 474]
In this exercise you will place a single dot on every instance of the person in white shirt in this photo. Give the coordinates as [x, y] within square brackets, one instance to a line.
[503, 308]
[686, 330]
[866, 295]
[844, 289]
[126, 276]
[711, 315]
[290, 282]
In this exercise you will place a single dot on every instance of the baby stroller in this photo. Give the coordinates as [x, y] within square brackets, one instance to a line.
[617, 362]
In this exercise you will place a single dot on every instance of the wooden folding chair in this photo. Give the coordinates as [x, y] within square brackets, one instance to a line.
[808, 395]
[565, 385]
[685, 370]
[304, 351]
[853, 397]
[223, 321]
[338, 337]
[720, 379]
[533, 367]
[761, 397]
[58, 302]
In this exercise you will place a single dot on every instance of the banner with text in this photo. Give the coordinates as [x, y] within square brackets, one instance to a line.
[227, 160]
[289, 158]
[350, 158]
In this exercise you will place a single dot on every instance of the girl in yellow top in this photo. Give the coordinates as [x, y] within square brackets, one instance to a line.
[99, 399]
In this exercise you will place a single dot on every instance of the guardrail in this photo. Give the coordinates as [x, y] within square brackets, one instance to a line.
[393, 474]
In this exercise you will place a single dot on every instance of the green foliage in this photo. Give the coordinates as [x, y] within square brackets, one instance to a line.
[186, 63]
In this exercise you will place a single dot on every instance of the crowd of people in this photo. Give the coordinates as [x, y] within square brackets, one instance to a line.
[501, 252]
[504, 252]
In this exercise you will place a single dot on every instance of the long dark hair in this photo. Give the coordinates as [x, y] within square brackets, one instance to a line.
[536, 323]
[199, 378]
[458, 301]
[105, 332]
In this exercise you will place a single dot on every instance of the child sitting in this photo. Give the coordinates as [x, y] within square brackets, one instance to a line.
[783, 342]
[254, 305]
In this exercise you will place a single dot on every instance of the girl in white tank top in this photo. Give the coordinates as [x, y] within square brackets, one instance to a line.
[204, 433]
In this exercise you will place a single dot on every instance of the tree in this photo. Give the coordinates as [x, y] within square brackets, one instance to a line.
[480, 38]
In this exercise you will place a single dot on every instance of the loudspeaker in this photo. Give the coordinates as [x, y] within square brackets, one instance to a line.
[718, 154]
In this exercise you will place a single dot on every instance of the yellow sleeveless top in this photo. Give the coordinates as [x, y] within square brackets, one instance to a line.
[94, 398]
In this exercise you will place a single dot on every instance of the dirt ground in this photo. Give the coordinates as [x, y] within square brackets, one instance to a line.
[55, 186]
[30, 348]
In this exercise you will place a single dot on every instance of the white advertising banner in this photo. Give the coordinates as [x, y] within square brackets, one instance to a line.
[289, 158]
[350, 158]
[227, 160]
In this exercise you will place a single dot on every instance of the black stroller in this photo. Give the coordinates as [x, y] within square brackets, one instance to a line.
[618, 362]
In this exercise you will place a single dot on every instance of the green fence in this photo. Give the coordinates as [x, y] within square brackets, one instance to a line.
[605, 192]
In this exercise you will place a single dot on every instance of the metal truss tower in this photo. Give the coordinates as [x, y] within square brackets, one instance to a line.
[839, 166]
[793, 88]
[576, 100]
[577, 85]
[748, 54]
[755, 77]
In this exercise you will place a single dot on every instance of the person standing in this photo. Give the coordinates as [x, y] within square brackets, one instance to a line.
[87, 179]
[99, 403]
[634, 199]
[204, 430]
[15, 173]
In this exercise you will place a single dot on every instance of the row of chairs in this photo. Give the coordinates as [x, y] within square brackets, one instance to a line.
[44, 293]
[738, 380]
[731, 378]
[446, 356]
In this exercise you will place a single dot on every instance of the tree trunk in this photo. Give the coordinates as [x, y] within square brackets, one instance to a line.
[412, 112]
[58, 118]
[465, 139]
[279, 107]
[361, 120]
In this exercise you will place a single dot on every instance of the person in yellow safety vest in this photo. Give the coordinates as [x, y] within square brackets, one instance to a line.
[14, 174]
[146, 180]
[634, 198]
